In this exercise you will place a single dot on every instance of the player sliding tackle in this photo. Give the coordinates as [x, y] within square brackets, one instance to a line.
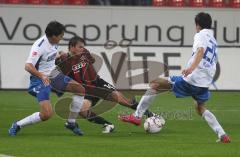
[196, 79]
[78, 64]
[45, 77]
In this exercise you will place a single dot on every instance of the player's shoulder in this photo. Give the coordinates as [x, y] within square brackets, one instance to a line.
[200, 36]
[41, 42]
[205, 32]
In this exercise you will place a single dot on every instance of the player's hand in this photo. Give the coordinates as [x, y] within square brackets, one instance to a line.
[59, 54]
[45, 80]
[187, 71]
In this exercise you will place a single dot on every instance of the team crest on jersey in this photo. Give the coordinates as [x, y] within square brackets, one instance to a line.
[34, 53]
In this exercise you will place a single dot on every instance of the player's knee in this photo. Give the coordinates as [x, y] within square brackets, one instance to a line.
[46, 115]
[75, 88]
[79, 89]
[86, 105]
[154, 85]
[114, 96]
[160, 84]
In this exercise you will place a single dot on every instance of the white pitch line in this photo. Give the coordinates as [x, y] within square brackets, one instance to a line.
[4, 155]
[226, 110]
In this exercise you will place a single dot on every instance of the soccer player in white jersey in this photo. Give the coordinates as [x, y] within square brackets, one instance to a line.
[45, 77]
[195, 81]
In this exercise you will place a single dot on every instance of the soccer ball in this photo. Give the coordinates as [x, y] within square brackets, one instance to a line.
[154, 124]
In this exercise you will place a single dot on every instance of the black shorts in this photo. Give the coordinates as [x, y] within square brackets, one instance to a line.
[98, 89]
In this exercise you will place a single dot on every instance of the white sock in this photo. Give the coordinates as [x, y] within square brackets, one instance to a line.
[145, 102]
[213, 123]
[75, 108]
[34, 118]
[72, 117]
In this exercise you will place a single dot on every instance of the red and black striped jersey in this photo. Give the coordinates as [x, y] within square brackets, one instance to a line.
[79, 67]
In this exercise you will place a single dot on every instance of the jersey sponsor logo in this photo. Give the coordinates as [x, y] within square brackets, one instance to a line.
[78, 66]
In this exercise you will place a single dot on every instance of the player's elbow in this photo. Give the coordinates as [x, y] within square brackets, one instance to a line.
[27, 67]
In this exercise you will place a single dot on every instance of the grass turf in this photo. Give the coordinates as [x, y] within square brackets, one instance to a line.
[185, 133]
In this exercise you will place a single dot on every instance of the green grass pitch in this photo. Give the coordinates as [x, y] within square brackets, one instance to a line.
[185, 134]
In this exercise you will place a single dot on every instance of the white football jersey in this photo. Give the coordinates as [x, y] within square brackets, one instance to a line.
[203, 75]
[42, 55]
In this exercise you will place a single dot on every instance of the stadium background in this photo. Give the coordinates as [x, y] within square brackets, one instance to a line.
[161, 31]
[158, 34]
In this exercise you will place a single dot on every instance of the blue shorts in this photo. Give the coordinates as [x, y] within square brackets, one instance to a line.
[42, 92]
[183, 89]
[59, 83]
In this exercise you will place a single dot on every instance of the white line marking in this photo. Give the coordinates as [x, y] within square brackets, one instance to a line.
[226, 110]
[4, 155]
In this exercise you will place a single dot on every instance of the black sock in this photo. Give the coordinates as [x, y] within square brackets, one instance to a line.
[134, 104]
[148, 113]
[93, 118]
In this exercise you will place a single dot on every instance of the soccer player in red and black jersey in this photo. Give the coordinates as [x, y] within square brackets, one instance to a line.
[78, 64]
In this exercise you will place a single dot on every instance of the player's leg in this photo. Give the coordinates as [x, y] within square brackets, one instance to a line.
[42, 93]
[156, 86]
[46, 111]
[76, 105]
[89, 101]
[75, 87]
[61, 83]
[109, 92]
[44, 114]
[182, 89]
[117, 96]
[212, 121]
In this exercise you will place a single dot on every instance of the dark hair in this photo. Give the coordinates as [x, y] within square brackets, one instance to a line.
[204, 20]
[54, 28]
[73, 41]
